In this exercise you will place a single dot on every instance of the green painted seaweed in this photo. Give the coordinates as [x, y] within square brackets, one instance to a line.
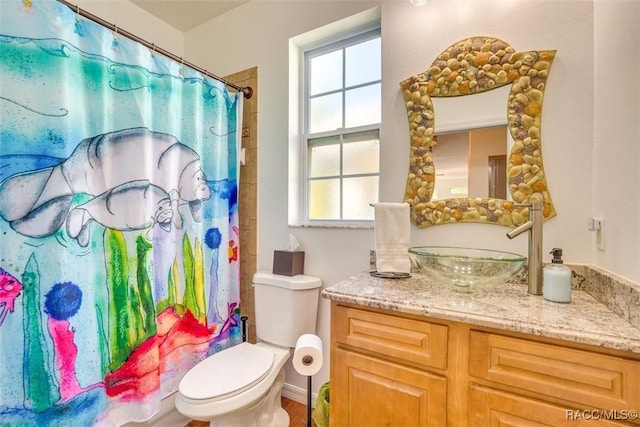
[131, 305]
[135, 311]
[172, 280]
[194, 293]
[103, 342]
[144, 286]
[40, 387]
[121, 331]
[189, 276]
[198, 284]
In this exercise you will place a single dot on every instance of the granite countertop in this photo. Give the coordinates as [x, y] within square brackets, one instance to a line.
[507, 307]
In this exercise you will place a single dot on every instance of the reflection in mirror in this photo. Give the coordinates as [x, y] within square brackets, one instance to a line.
[471, 163]
[470, 67]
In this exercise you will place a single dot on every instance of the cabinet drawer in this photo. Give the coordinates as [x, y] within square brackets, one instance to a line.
[419, 342]
[586, 378]
[492, 408]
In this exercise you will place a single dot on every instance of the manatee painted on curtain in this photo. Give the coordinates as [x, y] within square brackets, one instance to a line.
[119, 265]
[136, 178]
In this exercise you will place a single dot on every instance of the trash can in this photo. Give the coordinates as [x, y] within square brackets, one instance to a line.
[320, 414]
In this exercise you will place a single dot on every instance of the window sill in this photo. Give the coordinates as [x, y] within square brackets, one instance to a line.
[334, 226]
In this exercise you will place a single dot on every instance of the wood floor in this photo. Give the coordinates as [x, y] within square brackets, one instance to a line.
[297, 414]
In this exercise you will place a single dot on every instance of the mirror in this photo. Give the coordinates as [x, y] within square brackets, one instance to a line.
[471, 67]
[470, 163]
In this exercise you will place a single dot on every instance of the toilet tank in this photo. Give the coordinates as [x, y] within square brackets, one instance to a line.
[286, 307]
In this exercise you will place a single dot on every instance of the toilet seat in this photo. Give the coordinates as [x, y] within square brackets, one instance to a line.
[227, 373]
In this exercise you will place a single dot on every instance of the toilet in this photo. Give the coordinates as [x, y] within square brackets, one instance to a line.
[241, 386]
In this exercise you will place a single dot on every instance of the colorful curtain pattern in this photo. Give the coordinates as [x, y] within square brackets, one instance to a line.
[119, 247]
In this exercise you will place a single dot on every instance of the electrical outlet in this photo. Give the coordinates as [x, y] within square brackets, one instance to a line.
[594, 224]
[597, 224]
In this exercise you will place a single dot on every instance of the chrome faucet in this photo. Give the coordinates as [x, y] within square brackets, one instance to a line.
[534, 226]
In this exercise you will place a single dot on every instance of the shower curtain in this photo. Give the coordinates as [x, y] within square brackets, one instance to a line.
[119, 264]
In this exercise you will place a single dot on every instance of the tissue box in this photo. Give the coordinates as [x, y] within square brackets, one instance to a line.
[288, 263]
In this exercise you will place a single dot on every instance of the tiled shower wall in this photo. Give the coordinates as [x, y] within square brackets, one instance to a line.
[247, 197]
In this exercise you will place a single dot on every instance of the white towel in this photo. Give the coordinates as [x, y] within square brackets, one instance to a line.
[392, 229]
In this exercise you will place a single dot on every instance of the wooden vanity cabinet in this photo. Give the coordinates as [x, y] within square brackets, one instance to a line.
[391, 369]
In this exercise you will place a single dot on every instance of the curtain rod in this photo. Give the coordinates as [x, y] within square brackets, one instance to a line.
[246, 91]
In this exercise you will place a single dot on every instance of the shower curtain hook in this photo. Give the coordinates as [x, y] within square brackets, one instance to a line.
[181, 70]
[114, 42]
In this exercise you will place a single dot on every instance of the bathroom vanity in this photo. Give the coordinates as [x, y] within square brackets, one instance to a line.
[408, 352]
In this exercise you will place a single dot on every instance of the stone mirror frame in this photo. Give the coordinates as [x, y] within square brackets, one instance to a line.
[471, 66]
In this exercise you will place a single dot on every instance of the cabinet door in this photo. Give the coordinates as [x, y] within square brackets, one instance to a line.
[493, 408]
[370, 392]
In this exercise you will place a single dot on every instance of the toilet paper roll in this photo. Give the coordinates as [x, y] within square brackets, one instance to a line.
[307, 356]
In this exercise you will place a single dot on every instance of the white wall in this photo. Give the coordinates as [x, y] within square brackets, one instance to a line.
[484, 143]
[616, 142]
[137, 21]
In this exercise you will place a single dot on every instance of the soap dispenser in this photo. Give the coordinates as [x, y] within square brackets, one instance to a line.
[556, 279]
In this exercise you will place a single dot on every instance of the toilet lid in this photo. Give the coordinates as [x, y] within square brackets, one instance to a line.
[228, 372]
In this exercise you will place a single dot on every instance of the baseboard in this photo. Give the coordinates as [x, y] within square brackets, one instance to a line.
[298, 394]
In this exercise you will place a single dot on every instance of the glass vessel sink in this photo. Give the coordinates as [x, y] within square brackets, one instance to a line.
[465, 269]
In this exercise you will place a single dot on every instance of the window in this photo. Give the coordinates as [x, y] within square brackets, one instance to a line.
[342, 114]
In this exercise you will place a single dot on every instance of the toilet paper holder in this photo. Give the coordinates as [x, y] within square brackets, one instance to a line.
[306, 364]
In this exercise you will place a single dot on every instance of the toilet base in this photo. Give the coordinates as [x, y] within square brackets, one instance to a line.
[267, 412]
